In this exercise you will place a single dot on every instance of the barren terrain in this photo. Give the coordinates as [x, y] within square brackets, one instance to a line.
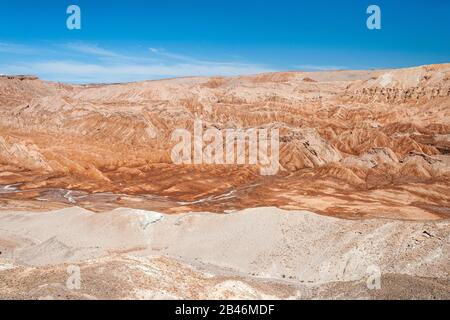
[86, 178]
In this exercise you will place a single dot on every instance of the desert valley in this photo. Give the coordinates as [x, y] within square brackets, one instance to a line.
[87, 180]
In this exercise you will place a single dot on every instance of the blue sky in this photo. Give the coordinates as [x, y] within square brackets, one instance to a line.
[151, 39]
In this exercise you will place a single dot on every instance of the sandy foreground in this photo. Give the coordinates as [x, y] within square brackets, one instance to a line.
[260, 253]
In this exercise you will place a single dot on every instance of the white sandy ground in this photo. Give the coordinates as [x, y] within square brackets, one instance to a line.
[251, 254]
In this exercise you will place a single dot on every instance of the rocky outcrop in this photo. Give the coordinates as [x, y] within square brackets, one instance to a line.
[403, 86]
[22, 156]
[19, 77]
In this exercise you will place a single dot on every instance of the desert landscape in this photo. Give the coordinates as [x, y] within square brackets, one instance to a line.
[87, 180]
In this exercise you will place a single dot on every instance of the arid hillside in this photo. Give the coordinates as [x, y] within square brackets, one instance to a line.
[261, 253]
[352, 143]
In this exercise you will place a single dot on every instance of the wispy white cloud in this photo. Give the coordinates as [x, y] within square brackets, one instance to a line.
[176, 57]
[310, 67]
[92, 49]
[15, 48]
[97, 64]
[164, 53]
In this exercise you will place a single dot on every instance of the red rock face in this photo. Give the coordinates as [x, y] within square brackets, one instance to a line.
[352, 143]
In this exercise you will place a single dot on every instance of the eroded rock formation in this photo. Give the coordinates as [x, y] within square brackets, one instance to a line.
[352, 143]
